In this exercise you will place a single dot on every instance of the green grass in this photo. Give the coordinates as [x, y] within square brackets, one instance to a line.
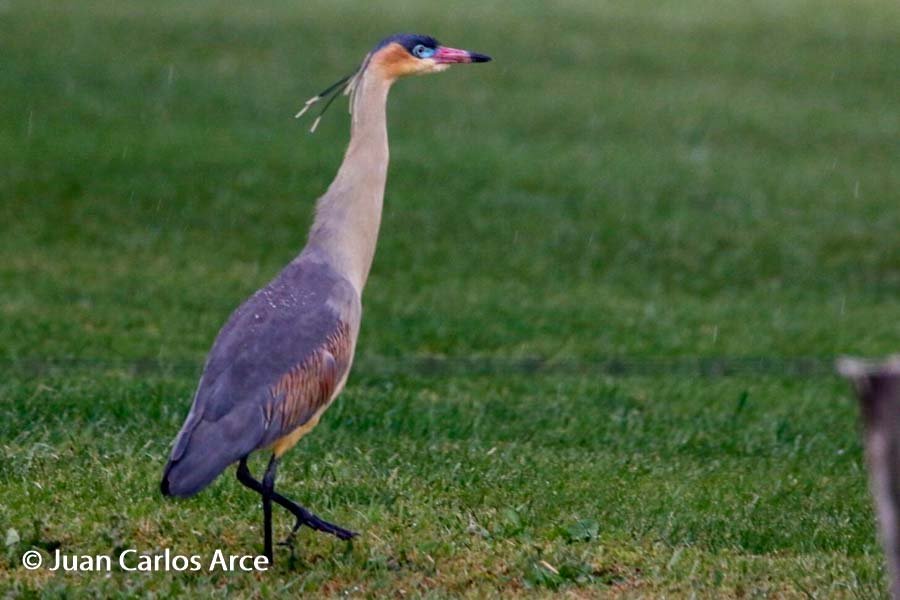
[648, 182]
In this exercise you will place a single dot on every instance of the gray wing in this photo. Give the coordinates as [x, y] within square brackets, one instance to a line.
[276, 361]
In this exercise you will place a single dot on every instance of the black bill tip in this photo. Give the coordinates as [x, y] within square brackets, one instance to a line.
[479, 57]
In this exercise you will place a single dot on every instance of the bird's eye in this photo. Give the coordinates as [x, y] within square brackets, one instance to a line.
[423, 51]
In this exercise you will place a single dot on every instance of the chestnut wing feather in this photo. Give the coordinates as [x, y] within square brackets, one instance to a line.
[306, 388]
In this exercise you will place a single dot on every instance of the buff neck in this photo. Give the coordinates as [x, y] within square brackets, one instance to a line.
[345, 230]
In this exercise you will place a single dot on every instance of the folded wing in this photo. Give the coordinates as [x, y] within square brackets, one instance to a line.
[277, 361]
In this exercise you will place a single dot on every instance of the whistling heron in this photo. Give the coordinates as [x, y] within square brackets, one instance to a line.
[284, 354]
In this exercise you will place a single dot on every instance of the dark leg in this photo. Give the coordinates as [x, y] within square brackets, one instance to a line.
[304, 517]
[268, 488]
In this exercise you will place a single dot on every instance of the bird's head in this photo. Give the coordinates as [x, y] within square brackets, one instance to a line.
[394, 57]
[407, 54]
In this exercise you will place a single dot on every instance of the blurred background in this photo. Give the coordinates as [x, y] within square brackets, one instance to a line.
[626, 178]
[653, 183]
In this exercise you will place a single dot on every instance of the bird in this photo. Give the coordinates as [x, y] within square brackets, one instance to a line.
[284, 354]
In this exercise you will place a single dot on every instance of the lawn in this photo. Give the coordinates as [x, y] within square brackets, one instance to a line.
[615, 267]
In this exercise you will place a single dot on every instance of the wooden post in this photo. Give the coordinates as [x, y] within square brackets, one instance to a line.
[878, 388]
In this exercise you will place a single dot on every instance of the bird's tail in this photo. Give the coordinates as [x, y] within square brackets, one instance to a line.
[193, 471]
[206, 448]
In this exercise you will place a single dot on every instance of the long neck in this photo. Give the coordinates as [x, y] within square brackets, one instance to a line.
[345, 229]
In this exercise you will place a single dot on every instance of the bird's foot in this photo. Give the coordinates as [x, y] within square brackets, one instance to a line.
[314, 522]
[289, 543]
[289, 540]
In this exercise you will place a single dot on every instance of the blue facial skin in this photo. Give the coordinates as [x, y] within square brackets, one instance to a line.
[422, 51]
